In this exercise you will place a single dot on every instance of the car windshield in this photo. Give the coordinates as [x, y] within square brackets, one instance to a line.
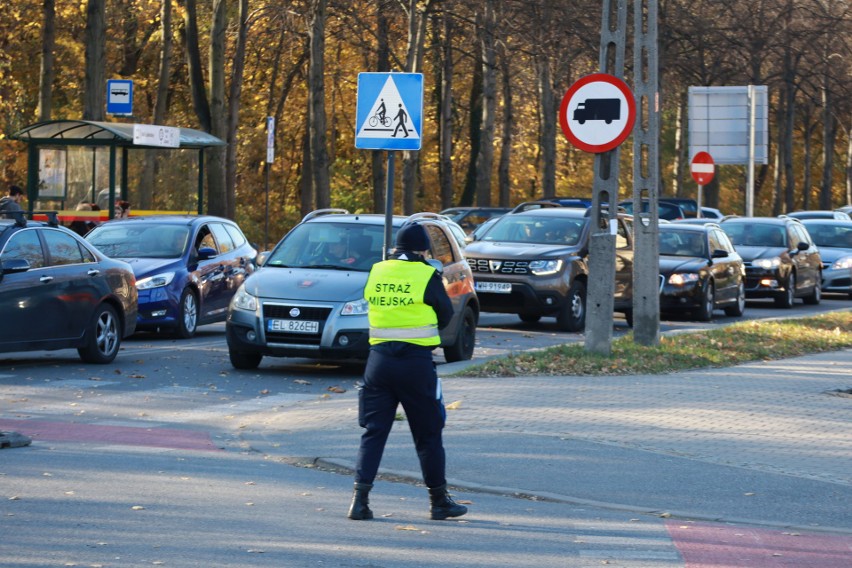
[533, 229]
[828, 235]
[756, 234]
[344, 246]
[136, 240]
[682, 243]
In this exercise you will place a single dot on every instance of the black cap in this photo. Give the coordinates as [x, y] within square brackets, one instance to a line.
[412, 237]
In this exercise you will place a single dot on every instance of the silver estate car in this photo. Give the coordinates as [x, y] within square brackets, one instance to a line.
[307, 299]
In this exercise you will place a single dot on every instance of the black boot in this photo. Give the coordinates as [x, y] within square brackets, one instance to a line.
[443, 505]
[360, 508]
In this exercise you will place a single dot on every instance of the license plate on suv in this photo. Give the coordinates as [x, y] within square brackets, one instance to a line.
[494, 287]
[292, 326]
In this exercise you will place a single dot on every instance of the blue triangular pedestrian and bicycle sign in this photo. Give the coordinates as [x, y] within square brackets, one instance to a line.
[389, 113]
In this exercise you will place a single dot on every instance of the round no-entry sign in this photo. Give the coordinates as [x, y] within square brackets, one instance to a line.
[702, 168]
[597, 113]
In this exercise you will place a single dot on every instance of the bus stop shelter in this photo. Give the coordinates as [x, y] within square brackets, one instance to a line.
[119, 139]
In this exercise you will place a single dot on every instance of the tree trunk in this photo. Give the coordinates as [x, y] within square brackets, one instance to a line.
[547, 127]
[474, 131]
[828, 134]
[237, 72]
[149, 171]
[193, 63]
[508, 128]
[678, 187]
[445, 112]
[48, 41]
[306, 184]
[316, 95]
[418, 12]
[485, 159]
[95, 97]
[217, 203]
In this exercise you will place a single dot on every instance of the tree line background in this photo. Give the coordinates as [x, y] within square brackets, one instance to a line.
[494, 70]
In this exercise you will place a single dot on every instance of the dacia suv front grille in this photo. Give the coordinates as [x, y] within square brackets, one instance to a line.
[493, 266]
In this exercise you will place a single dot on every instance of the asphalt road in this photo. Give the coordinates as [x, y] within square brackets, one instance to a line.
[149, 461]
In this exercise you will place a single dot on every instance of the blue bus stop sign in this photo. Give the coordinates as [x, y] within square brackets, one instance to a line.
[119, 97]
[389, 113]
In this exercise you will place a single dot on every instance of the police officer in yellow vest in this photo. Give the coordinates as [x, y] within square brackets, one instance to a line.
[408, 305]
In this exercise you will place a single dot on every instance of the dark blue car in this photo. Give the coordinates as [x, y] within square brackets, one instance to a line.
[187, 267]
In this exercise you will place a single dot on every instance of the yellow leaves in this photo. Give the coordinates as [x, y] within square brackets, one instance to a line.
[336, 390]
[453, 405]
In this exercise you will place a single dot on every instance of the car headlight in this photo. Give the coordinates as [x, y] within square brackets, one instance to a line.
[679, 279]
[356, 308]
[243, 300]
[545, 267]
[156, 281]
[841, 263]
[767, 263]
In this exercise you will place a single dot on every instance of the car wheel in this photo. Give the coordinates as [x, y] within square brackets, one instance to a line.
[815, 297]
[708, 302]
[103, 337]
[187, 314]
[572, 316]
[462, 349]
[244, 360]
[786, 299]
[738, 308]
[527, 318]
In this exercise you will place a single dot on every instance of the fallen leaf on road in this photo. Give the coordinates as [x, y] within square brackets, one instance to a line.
[302, 382]
[454, 405]
[264, 391]
[337, 390]
[138, 508]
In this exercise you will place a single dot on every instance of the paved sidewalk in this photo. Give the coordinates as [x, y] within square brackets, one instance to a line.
[767, 443]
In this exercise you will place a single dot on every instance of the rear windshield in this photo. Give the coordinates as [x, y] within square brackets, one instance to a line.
[756, 234]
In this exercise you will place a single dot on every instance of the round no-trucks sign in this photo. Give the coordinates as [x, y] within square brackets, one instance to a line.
[702, 168]
[597, 113]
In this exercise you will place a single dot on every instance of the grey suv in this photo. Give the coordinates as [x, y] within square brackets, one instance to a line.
[307, 300]
[534, 263]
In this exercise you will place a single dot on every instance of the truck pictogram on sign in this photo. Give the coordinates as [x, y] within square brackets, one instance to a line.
[598, 109]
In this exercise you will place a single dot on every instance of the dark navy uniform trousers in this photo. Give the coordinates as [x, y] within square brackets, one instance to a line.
[401, 373]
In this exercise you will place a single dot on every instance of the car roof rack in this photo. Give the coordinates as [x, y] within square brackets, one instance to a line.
[323, 212]
[428, 215]
[530, 205]
[20, 217]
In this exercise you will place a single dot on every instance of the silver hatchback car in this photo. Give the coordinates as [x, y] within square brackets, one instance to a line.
[307, 300]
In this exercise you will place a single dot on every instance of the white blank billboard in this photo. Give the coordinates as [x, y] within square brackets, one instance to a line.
[719, 124]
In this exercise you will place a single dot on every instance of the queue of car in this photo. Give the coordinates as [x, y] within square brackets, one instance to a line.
[170, 274]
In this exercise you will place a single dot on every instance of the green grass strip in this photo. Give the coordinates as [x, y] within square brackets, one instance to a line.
[730, 345]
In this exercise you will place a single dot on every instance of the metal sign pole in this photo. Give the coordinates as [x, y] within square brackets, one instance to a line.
[388, 208]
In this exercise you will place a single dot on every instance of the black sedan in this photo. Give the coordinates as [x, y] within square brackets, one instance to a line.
[700, 271]
[187, 267]
[58, 292]
[782, 262]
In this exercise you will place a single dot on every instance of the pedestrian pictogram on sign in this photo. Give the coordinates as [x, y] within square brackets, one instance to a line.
[389, 113]
[702, 167]
[597, 113]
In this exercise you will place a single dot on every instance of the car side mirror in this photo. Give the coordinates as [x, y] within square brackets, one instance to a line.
[719, 253]
[261, 258]
[206, 253]
[436, 264]
[15, 265]
[802, 246]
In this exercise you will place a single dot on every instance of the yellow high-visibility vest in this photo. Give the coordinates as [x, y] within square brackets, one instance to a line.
[395, 291]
